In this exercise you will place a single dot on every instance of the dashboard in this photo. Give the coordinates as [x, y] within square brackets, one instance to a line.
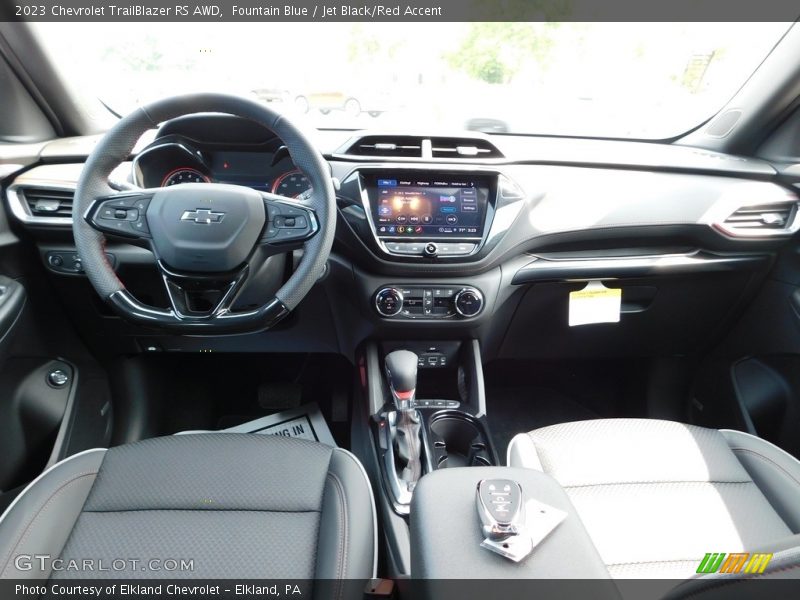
[446, 236]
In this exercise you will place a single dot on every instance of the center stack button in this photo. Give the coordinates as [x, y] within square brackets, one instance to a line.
[430, 250]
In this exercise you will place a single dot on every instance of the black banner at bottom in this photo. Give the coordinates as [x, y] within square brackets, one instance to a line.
[453, 589]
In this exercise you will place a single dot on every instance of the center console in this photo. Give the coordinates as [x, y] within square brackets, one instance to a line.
[450, 510]
[433, 416]
[425, 229]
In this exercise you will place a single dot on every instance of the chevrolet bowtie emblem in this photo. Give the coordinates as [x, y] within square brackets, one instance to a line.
[203, 216]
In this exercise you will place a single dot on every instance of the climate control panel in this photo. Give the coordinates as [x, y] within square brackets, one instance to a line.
[428, 301]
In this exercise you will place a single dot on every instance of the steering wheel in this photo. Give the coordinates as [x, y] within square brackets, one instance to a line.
[206, 237]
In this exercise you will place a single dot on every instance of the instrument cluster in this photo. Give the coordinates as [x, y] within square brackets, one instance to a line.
[174, 162]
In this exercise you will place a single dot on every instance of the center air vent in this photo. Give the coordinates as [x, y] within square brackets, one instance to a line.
[388, 146]
[459, 148]
[48, 203]
[409, 146]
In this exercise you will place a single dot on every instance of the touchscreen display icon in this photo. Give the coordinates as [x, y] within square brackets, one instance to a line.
[423, 206]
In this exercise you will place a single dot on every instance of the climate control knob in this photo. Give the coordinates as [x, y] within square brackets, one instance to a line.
[468, 302]
[389, 301]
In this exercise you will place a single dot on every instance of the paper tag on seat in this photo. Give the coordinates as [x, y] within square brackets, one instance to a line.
[594, 304]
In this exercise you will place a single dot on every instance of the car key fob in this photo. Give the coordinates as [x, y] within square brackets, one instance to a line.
[501, 508]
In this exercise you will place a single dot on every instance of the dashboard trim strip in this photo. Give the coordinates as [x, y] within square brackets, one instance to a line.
[543, 269]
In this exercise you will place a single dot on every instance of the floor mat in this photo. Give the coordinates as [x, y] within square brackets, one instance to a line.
[235, 389]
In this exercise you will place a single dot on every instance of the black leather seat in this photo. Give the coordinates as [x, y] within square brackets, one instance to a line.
[236, 505]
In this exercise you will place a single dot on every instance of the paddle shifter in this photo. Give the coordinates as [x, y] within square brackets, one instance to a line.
[404, 443]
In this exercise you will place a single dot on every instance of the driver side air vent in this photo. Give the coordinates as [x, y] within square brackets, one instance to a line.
[388, 146]
[48, 203]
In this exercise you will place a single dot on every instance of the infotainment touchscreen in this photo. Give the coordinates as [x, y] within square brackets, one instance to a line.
[428, 206]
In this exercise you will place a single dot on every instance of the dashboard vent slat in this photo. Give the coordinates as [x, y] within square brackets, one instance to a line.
[461, 148]
[388, 146]
[48, 203]
[409, 146]
[775, 216]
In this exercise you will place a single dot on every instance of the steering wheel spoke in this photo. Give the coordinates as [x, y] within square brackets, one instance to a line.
[122, 214]
[202, 295]
[290, 224]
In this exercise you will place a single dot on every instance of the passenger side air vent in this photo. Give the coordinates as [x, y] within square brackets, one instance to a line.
[48, 203]
[740, 217]
[388, 146]
[460, 148]
[762, 217]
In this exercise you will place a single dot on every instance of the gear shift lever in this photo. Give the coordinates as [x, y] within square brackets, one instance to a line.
[401, 371]
[405, 431]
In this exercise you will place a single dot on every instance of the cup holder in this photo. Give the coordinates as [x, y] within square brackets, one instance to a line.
[459, 441]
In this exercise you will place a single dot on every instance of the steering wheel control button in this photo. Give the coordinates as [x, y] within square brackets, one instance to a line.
[389, 302]
[58, 378]
[289, 234]
[122, 215]
[270, 231]
[468, 302]
[431, 249]
[287, 224]
[140, 225]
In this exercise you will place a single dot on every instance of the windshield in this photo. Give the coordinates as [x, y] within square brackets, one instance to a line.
[635, 80]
